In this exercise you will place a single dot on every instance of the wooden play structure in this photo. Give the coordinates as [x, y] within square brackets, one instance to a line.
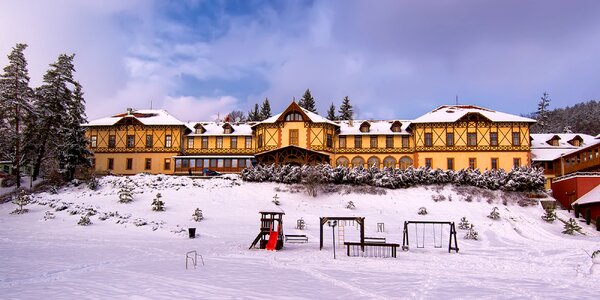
[359, 220]
[270, 236]
[437, 234]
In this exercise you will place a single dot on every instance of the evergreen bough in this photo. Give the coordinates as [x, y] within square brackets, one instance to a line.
[157, 204]
[198, 215]
[571, 226]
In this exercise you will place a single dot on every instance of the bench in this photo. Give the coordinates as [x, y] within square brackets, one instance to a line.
[371, 249]
[296, 238]
[375, 240]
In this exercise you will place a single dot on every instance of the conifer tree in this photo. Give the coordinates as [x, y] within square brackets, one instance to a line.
[543, 113]
[254, 115]
[345, 110]
[265, 110]
[15, 103]
[308, 102]
[72, 150]
[331, 113]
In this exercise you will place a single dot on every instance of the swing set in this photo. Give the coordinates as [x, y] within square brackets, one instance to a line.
[437, 232]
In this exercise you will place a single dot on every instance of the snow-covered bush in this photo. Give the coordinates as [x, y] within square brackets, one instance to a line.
[198, 216]
[438, 198]
[140, 222]
[422, 211]
[596, 257]
[472, 234]
[93, 184]
[157, 204]
[350, 205]
[21, 199]
[518, 179]
[571, 226]
[549, 216]
[276, 200]
[495, 214]
[125, 194]
[464, 223]
[48, 216]
[84, 221]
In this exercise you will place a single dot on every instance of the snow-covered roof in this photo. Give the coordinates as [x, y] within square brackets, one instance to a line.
[547, 154]
[592, 196]
[453, 113]
[145, 116]
[312, 116]
[217, 128]
[375, 127]
[542, 150]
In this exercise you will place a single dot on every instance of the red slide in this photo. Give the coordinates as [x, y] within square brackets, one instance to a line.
[272, 240]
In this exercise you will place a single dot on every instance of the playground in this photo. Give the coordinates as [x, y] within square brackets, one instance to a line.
[59, 259]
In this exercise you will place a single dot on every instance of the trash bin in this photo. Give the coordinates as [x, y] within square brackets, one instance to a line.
[192, 232]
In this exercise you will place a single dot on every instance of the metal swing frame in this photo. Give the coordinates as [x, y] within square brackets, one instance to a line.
[452, 240]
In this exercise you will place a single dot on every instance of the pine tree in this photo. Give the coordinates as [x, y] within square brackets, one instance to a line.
[125, 194]
[543, 113]
[254, 115]
[198, 215]
[21, 199]
[571, 226]
[308, 102]
[345, 110]
[331, 113]
[549, 216]
[265, 110]
[495, 214]
[464, 223]
[472, 234]
[85, 220]
[157, 204]
[16, 105]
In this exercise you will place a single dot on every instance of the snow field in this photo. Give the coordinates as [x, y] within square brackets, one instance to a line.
[518, 256]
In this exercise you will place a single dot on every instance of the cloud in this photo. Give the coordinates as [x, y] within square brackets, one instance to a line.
[188, 108]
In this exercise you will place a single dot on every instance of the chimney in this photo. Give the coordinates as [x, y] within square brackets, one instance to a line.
[129, 111]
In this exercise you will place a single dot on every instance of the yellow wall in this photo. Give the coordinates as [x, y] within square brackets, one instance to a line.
[139, 161]
[139, 132]
[483, 159]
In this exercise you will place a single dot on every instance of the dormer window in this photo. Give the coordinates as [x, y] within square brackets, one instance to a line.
[576, 141]
[199, 129]
[364, 127]
[554, 141]
[227, 129]
[293, 116]
[396, 126]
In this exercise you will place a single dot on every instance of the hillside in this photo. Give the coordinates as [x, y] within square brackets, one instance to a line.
[582, 117]
[517, 256]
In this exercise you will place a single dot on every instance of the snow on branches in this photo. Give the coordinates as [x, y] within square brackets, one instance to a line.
[519, 179]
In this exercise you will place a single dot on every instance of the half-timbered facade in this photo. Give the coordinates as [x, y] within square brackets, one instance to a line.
[449, 137]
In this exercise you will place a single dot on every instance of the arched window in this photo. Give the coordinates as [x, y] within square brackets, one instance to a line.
[341, 161]
[405, 162]
[389, 162]
[293, 116]
[358, 161]
[373, 161]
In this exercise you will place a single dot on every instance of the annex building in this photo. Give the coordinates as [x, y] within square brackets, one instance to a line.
[448, 137]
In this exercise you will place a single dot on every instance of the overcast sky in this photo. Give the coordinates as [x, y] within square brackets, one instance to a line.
[394, 59]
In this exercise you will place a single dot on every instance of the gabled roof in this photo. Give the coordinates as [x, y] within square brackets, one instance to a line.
[453, 113]
[541, 150]
[315, 118]
[375, 127]
[592, 196]
[144, 116]
[217, 128]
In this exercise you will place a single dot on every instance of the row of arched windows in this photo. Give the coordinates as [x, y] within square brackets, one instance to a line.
[374, 161]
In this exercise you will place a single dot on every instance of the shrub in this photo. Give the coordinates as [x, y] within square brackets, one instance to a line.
[588, 216]
[549, 216]
[21, 199]
[276, 200]
[350, 205]
[464, 223]
[157, 204]
[571, 226]
[197, 215]
[472, 234]
[84, 221]
[422, 211]
[125, 194]
[494, 214]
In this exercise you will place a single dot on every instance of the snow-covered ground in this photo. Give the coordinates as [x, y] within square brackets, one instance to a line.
[518, 256]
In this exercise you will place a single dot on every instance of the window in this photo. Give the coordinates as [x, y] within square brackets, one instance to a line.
[129, 163]
[149, 141]
[219, 142]
[111, 164]
[241, 163]
[554, 142]
[341, 161]
[190, 143]
[228, 130]
[357, 141]
[342, 141]
[405, 142]
[550, 165]
[111, 141]
[148, 164]
[389, 141]
[373, 141]
[516, 139]
[204, 142]
[450, 162]
[364, 128]
[130, 141]
[93, 141]
[396, 128]
[389, 162]
[248, 142]
[494, 163]
[428, 162]
[227, 163]
[373, 162]
[260, 141]
[329, 140]
[168, 142]
[405, 162]
[450, 139]
[167, 165]
[493, 139]
[233, 142]
[516, 162]
[472, 163]
[293, 116]
[294, 137]
[428, 139]
[358, 161]
[471, 139]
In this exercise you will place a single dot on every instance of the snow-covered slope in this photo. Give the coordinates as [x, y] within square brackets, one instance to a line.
[518, 256]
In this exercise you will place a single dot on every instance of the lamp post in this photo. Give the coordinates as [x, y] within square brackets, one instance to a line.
[332, 224]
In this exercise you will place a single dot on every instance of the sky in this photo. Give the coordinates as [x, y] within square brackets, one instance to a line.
[394, 59]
